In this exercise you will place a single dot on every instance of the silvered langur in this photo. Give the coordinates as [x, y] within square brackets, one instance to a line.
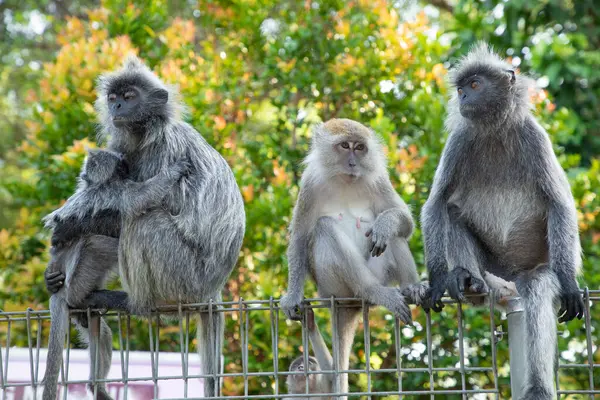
[83, 253]
[350, 230]
[185, 249]
[500, 202]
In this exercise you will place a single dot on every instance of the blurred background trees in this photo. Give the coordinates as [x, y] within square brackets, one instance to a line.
[256, 75]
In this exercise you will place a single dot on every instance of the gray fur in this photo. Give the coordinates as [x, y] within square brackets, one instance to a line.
[203, 216]
[86, 265]
[345, 196]
[501, 203]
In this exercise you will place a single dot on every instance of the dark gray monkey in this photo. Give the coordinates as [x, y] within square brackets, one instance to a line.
[350, 229]
[83, 253]
[203, 216]
[501, 202]
[317, 383]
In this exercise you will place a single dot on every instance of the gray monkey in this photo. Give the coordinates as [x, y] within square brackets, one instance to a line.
[185, 250]
[500, 202]
[83, 253]
[350, 230]
[317, 383]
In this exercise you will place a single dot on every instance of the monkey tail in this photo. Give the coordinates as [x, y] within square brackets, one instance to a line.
[211, 329]
[59, 313]
[539, 292]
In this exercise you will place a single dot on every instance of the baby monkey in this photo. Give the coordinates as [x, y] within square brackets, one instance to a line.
[84, 251]
[317, 383]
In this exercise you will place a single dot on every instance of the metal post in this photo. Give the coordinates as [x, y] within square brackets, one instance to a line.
[517, 345]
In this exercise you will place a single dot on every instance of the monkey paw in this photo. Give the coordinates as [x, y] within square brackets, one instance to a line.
[571, 306]
[380, 234]
[461, 281]
[396, 303]
[416, 293]
[54, 280]
[292, 306]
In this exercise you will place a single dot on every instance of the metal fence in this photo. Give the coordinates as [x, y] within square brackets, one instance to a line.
[419, 366]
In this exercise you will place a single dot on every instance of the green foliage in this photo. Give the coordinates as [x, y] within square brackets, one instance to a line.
[256, 75]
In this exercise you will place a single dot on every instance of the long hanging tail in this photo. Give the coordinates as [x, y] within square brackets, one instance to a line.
[538, 293]
[211, 329]
[59, 313]
[347, 322]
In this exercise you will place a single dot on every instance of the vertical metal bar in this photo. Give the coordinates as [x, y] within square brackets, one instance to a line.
[430, 355]
[2, 375]
[305, 349]
[367, 343]
[126, 386]
[336, 345]
[38, 345]
[152, 361]
[274, 316]
[493, 342]
[588, 337]
[157, 351]
[516, 345]
[461, 351]
[29, 345]
[182, 349]
[121, 352]
[244, 337]
[68, 357]
[398, 343]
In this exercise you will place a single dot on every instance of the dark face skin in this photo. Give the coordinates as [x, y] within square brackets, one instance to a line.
[131, 104]
[478, 94]
[351, 151]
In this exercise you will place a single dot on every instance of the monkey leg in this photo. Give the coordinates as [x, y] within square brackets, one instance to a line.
[539, 289]
[210, 333]
[100, 349]
[341, 270]
[465, 257]
[59, 313]
[347, 322]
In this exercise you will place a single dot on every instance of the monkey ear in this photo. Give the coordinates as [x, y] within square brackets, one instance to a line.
[512, 76]
[159, 95]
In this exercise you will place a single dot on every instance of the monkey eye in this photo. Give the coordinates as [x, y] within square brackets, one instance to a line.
[460, 91]
[112, 97]
[345, 145]
[360, 147]
[129, 95]
[474, 84]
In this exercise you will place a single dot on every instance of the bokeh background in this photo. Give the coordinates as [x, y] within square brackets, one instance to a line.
[256, 75]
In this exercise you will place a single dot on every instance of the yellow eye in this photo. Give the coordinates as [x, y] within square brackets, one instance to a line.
[474, 85]
[345, 145]
[112, 97]
[460, 91]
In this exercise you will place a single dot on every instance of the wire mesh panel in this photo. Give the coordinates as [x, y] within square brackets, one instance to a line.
[460, 353]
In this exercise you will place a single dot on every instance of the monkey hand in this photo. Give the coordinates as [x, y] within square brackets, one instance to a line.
[380, 234]
[461, 280]
[54, 281]
[291, 304]
[571, 305]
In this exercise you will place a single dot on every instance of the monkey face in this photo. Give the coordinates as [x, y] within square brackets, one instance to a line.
[482, 95]
[130, 102]
[350, 154]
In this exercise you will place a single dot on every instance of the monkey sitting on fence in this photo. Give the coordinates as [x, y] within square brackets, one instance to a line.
[350, 229]
[500, 202]
[83, 253]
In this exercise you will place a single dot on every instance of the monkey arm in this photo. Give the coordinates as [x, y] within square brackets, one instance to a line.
[105, 222]
[563, 232]
[392, 209]
[138, 197]
[434, 217]
[298, 254]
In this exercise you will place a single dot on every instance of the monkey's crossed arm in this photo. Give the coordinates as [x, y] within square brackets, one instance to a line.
[394, 219]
